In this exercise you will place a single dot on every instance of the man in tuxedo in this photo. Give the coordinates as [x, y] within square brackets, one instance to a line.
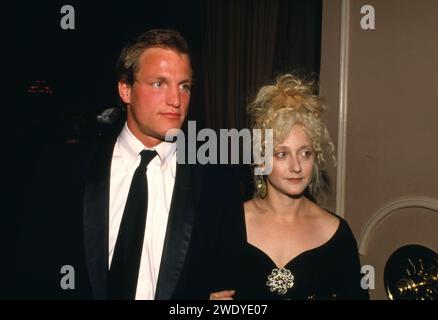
[74, 239]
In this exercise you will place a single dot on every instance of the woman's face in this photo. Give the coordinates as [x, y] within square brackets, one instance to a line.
[293, 163]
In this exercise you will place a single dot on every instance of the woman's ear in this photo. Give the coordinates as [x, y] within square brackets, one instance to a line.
[125, 92]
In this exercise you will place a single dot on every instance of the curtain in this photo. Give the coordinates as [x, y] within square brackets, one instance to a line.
[238, 42]
[298, 44]
[245, 44]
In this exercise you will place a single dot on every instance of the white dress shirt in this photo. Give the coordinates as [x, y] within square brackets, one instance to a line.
[161, 179]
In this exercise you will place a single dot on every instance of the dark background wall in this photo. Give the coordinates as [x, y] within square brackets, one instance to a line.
[79, 64]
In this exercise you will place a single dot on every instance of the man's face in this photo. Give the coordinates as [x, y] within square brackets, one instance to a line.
[158, 100]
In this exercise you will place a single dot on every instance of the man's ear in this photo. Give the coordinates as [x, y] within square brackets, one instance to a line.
[125, 92]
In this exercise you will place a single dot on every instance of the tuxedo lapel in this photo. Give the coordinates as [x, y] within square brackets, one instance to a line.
[96, 218]
[179, 231]
[96, 224]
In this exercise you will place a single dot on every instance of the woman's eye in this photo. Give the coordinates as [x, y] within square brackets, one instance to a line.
[280, 154]
[307, 154]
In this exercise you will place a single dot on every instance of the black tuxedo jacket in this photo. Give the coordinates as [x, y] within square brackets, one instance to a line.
[67, 225]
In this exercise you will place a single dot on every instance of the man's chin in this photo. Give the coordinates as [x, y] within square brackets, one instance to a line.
[171, 134]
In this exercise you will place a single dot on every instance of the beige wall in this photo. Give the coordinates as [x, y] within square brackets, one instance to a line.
[392, 121]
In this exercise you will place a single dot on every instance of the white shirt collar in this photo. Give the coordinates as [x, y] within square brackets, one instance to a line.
[130, 148]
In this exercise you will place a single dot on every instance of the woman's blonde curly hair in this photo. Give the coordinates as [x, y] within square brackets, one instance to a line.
[288, 102]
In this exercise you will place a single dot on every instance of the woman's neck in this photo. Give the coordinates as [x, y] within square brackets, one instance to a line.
[281, 205]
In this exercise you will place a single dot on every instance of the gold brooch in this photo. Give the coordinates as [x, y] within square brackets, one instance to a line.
[280, 280]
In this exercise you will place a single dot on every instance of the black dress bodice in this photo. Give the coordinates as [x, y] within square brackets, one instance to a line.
[329, 271]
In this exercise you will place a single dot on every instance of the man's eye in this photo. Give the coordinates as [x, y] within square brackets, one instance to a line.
[280, 154]
[186, 87]
[157, 84]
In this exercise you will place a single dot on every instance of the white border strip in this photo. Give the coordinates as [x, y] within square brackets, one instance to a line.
[342, 115]
[387, 210]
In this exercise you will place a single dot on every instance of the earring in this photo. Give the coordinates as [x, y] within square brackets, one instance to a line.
[261, 187]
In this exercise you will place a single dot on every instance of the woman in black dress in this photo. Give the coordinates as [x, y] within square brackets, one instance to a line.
[283, 245]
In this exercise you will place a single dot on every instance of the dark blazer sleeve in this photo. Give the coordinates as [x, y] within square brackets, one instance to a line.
[219, 199]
